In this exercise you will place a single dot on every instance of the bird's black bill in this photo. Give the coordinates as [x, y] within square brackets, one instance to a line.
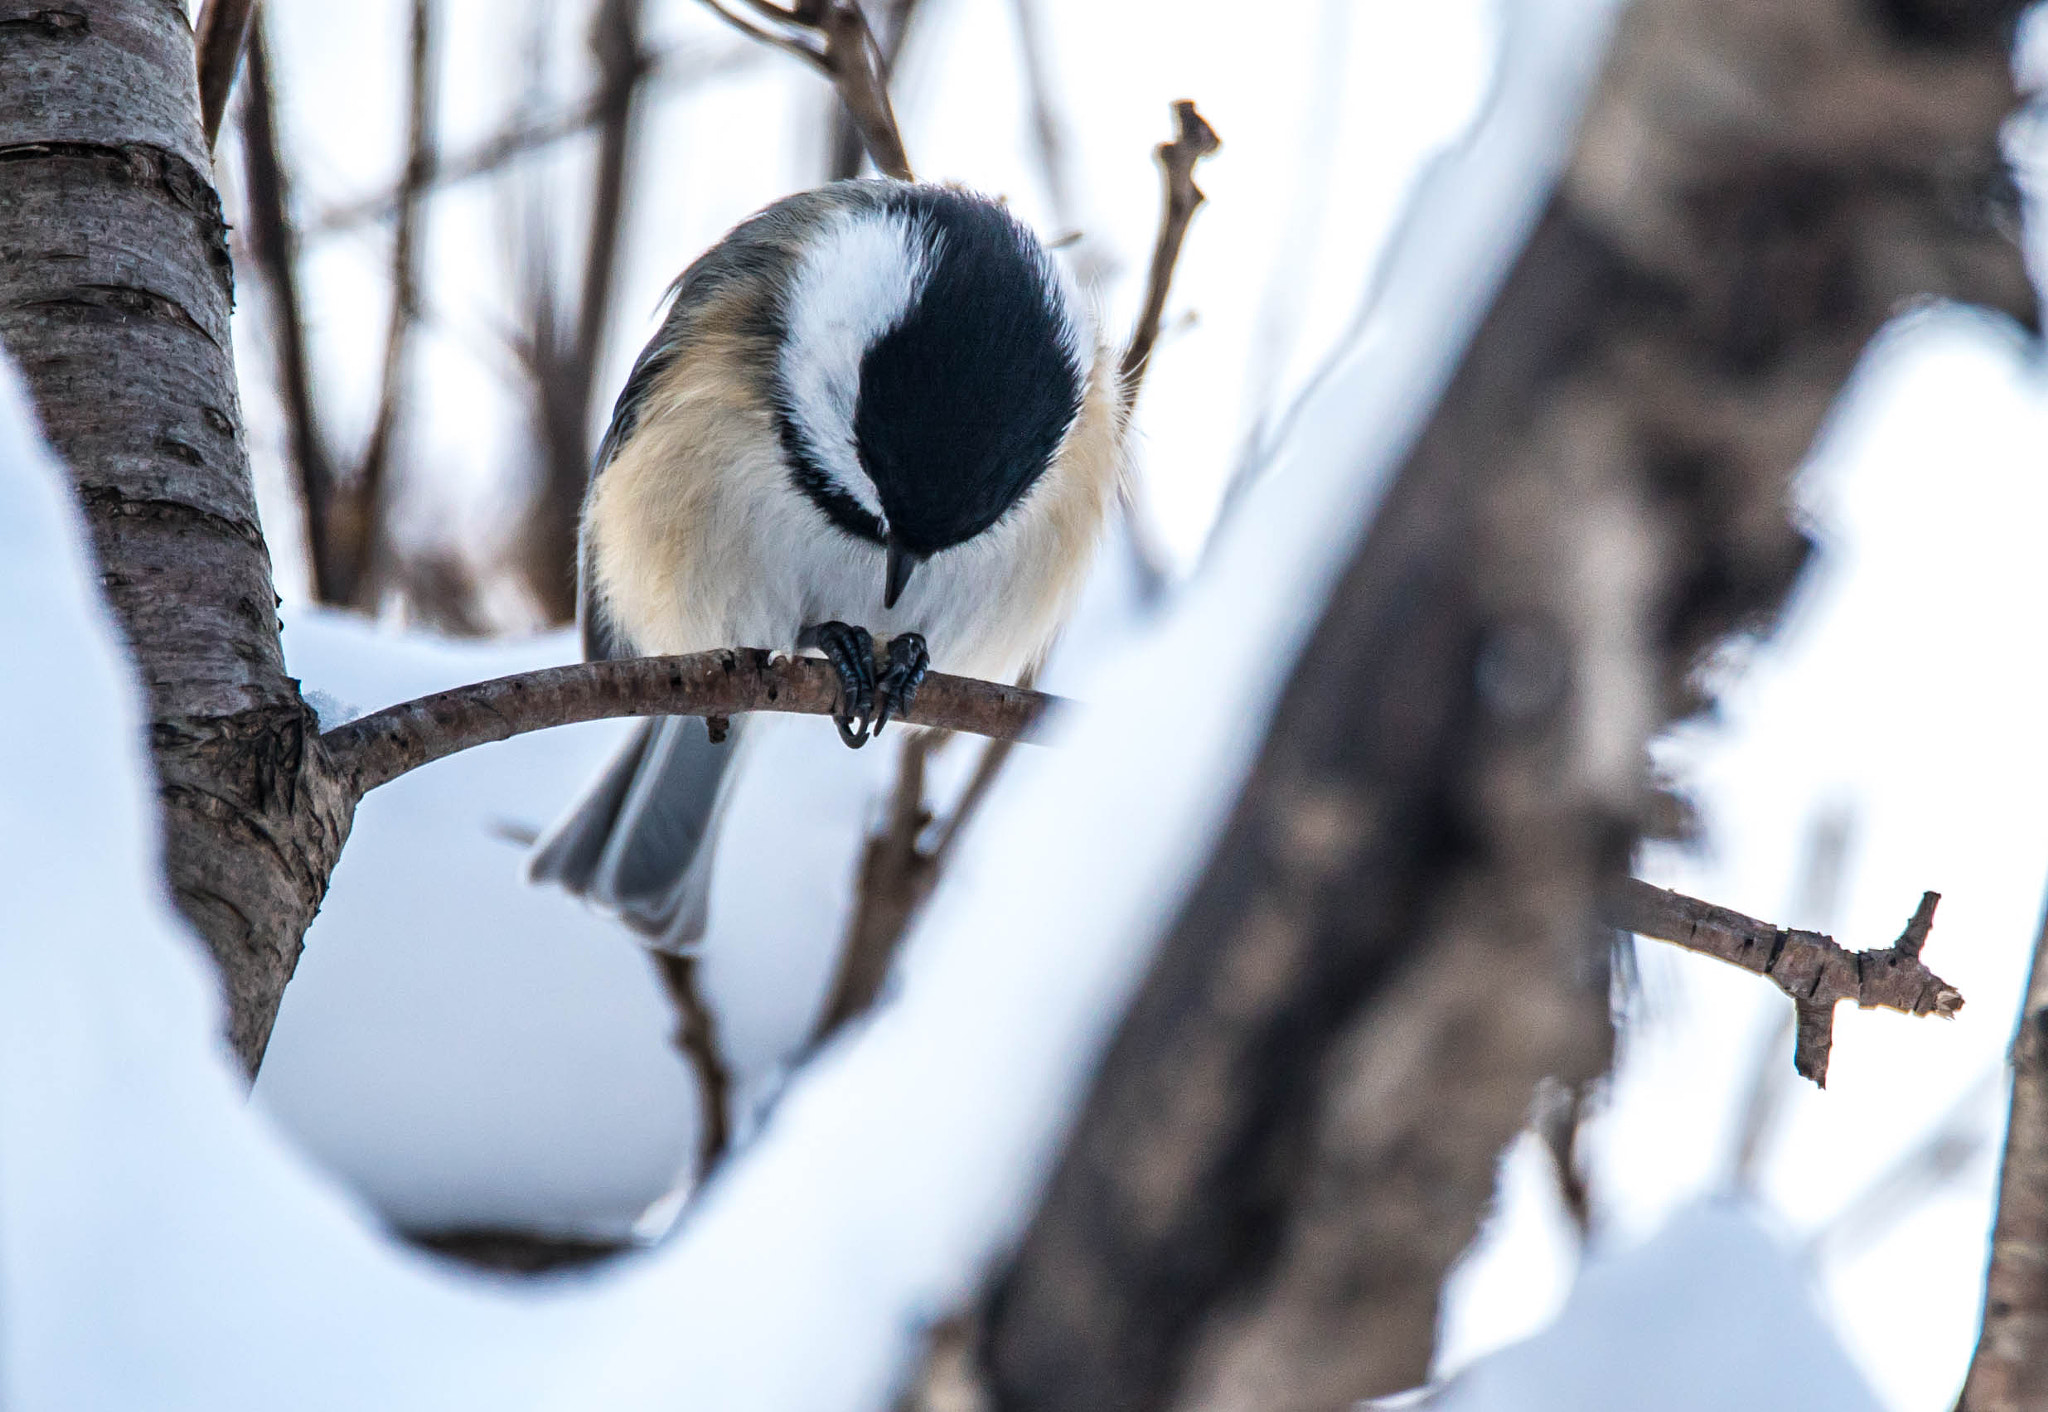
[902, 563]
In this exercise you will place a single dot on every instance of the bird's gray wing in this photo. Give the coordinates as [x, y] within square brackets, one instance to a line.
[640, 842]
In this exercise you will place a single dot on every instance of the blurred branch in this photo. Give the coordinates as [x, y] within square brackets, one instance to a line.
[696, 1039]
[529, 134]
[1922, 1170]
[274, 247]
[1560, 1124]
[563, 349]
[378, 748]
[1193, 140]
[832, 36]
[895, 878]
[844, 144]
[1807, 966]
[219, 36]
[344, 528]
[2010, 1370]
[369, 492]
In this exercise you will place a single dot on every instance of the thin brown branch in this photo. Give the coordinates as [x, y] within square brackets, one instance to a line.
[1809, 967]
[844, 147]
[833, 37]
[895, 878]
[2010, 1370]
[696, 1039]
[273, 245]
[369, 487]
[1193, 140]
[220, 34]
[379, 748]
[993, 757]
[624, 63]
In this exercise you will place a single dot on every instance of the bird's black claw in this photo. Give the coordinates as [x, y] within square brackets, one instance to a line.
[851, 651]
[896, 686]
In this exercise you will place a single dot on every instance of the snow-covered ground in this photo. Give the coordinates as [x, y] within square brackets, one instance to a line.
[461, 1050]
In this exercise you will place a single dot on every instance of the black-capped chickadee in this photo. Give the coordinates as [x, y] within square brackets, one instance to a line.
[874, 408]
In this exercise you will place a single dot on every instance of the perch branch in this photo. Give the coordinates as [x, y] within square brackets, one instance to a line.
[1194, 139]
[380, 747]
[1807, 966]
[223, 27]
[833, 37]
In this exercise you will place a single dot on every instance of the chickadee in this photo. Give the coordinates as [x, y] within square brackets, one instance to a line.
[875, 413]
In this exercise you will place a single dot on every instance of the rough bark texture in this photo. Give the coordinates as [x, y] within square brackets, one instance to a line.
[2010, 1371]
[1810, 968]
[1295, 1131]
[115, 289]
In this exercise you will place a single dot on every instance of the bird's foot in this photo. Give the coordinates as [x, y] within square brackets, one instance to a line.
[851, 651]
[900, 677]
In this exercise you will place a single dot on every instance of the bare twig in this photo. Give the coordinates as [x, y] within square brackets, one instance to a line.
[697, 1039]
[379, 748]
[1807, 966]
[832, 36]
[2010, 1370]
[895, 878]
[1193, 140]
[222, 29]
[844, 145]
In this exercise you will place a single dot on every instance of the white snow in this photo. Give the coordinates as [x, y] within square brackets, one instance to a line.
[459, 1049]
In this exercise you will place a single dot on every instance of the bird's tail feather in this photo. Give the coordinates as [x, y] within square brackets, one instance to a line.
[639, 843]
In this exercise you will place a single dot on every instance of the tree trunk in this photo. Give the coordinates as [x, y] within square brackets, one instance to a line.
[1295, 1131]
[2010, 1371]
[115, 290]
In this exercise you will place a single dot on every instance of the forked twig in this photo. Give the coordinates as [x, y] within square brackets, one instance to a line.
[1809, 967]
[833, 37]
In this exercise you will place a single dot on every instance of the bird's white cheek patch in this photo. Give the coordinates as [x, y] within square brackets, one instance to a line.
[853, 284]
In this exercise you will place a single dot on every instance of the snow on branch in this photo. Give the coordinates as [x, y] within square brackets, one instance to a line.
[1811, 968]
[380, 747]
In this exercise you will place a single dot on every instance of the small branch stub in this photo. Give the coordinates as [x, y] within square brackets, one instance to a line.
[1193, 140]
[1809, 967]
